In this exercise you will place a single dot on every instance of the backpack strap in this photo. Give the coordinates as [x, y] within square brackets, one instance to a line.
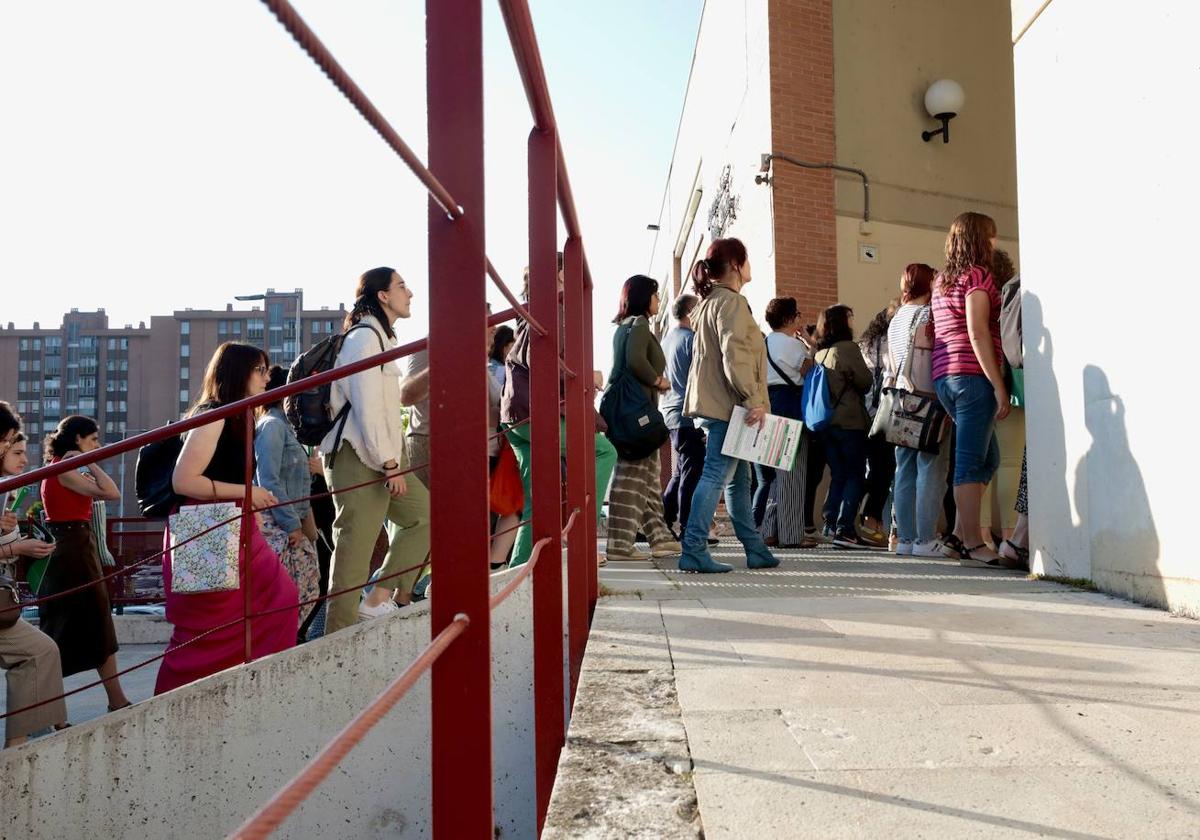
[845, 386]
[778, 369]
[343, 414]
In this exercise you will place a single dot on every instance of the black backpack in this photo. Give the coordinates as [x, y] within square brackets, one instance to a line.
[635, 426]
[309, 411]
[154, 475]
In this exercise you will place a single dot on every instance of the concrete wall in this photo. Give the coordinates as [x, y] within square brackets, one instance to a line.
[1107, 175]
[725, 123]
[197, 761]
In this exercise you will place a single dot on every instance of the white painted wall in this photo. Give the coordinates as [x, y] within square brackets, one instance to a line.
[195, 762]
[726, 121]
[1107, 177]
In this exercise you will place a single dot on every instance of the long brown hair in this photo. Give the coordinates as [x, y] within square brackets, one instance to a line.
[227, 374]
[723, 256]
[366, 299]
[968, 244]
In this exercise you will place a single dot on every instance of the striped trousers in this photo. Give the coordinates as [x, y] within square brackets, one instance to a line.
[784, 516]
[635, 504]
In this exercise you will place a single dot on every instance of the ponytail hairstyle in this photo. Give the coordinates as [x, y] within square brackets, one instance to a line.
[366, 298]
[724, 255]
[66, 437]
[916, 282]
[969, 244]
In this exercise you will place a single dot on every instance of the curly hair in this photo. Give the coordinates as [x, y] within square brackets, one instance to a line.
[968, 244]
[879, 324]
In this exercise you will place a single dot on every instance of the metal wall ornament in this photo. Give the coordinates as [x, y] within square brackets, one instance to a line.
[723, 211]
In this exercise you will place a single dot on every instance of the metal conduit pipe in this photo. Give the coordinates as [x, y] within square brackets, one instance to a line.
[765, 176]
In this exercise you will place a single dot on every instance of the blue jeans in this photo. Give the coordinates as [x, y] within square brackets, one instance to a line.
[765, 476]
[846, 451]
[917, 492]
[970, 401]
[728, 475]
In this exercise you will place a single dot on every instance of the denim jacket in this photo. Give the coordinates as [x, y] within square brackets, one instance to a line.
[282, 468]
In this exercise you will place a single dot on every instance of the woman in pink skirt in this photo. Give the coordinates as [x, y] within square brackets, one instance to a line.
[211, 468]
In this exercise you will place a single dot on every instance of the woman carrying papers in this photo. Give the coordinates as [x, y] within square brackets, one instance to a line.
[729, 368]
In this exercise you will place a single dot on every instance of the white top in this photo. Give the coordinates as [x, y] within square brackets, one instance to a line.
[898, 336]
[374, 426]
[789, 353]
[418, 414]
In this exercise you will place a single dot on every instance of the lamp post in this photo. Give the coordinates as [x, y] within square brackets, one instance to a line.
[298, 297]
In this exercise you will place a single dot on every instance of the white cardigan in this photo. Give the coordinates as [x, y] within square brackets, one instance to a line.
[374, 426]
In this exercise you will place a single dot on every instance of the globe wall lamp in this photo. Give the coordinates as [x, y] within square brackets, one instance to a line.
[943, 101]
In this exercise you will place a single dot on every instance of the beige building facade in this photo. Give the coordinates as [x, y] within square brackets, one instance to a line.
[1103, 152]
[842, 82]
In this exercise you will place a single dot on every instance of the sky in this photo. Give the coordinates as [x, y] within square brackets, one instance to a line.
[161, 155]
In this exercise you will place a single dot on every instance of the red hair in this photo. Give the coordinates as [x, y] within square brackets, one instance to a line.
[917, 281]
[723, 255]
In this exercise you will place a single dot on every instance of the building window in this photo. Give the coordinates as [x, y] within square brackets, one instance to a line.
[24, 343]
[90, 342]
[185, 327]
[222, 327]
[112, 344]
[254, 329]
[185, 351]
[275, 314]
[185, 373]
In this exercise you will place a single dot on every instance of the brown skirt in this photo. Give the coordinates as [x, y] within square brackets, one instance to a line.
[81, 623]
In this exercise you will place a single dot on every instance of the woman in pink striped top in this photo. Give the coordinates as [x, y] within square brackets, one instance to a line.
[967, 372]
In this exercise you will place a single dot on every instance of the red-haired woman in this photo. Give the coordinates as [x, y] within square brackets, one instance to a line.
[729, 369]
[635, 500]
[967, 373]
[212, 468]
[920, 479]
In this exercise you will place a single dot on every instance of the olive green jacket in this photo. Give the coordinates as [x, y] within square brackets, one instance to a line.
[729, 358]
[849, 378]
[643, 355]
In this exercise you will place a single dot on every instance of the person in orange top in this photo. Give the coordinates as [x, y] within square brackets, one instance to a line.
[80, 623]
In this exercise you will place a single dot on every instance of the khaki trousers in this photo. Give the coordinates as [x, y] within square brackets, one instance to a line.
[361, 515]
[34, 674]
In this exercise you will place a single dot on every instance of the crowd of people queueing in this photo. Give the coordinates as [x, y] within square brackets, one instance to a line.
[941, 337]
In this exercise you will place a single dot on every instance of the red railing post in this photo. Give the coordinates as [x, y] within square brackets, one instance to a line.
[595, 494]
[247, 512]
[546, 469]
[579, 452]
[461, 689]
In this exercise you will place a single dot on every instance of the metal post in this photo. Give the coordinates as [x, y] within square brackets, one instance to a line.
[461, 682]
[596, 494]
[579, 451]
[545, 466]
[247, 508]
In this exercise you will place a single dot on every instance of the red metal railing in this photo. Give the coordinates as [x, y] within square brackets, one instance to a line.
[459, 653]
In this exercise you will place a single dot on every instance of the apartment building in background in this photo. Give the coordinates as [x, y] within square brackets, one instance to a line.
[132, 379]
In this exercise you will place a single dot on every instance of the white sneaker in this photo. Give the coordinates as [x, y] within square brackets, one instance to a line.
[933, 548]
[366, 613]
[904, 549]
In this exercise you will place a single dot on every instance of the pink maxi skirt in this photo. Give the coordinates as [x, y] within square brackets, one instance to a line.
[193, 614]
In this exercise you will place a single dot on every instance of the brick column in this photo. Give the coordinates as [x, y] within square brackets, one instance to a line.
[801, 44]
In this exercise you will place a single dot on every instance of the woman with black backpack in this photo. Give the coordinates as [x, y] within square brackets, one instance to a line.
[635, 500]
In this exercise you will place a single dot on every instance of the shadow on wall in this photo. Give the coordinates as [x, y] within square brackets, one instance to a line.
[1110, 536]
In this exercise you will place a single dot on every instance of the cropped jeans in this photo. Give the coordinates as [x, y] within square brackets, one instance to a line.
[970, 401]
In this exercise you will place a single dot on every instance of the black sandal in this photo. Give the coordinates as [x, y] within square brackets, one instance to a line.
[1022, 561]
[966, 559]
[953, 546]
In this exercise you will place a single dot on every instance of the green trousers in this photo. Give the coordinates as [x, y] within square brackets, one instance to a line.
[606, 461]
[361, 515]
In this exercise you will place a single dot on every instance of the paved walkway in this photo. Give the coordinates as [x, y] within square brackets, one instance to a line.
[853, 694]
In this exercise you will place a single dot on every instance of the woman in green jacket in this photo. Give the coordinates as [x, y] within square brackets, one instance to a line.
[635, 500]
[845, 438]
